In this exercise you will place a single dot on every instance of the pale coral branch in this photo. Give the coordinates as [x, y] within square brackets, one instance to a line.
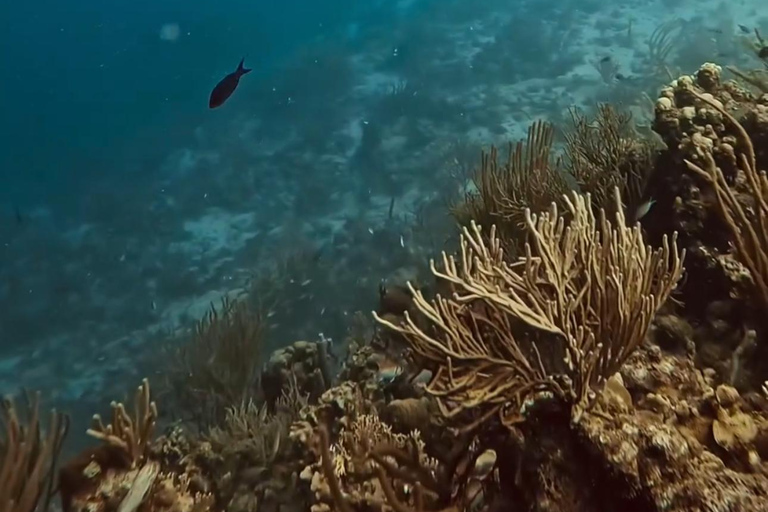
[557, 322]
[28, 457]
[131, 436]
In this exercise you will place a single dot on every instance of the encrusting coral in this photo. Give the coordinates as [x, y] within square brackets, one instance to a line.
[711, 189]
[749, 231]
[303, 365]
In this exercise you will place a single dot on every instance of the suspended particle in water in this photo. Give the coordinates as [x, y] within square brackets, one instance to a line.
[170, 32]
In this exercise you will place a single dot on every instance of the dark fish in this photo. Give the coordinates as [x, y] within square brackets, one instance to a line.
[744, 29]
[606, 59]
[227, 86]
[763, 53]
[19, 216]
[619, 76]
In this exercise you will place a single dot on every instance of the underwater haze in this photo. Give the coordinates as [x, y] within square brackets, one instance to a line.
[154, 224]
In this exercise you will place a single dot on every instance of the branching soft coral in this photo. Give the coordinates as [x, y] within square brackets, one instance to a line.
[556, 323]
[529, 179]
[131, 436]
[605, 153]
[219, 366]
[255, 432]
[28, 456]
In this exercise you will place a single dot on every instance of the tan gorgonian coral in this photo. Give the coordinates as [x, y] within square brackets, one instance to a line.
[555, 323]
[131, 435]
[748, 225]
[606, 152]
[28, 456]
[661, 44]
[251, 429]
[529, 179]
[219, 366]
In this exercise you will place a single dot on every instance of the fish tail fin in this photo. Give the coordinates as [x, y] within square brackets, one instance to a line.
[241, 70]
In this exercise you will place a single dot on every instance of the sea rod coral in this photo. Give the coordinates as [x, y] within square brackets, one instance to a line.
[28, 456]
[555, 323]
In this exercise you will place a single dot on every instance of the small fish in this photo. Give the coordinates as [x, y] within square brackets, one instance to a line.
[402, 242]
[744, 29]
[763, 53]
[606, 59]
[388, 371]
[643, 209]
[227, 86]
[619, 76]
[19, 216]
[484, 464]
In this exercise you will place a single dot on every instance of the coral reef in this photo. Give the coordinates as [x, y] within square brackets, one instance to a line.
[303, 365]
[131, 470]
[599, 155]
[564, 360]
[709, 187]
[513, 333]
[252, 461]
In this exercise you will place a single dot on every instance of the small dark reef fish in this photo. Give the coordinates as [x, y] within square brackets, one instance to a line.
[227, 86]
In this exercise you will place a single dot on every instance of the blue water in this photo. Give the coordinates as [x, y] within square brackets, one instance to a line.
[91, 87]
